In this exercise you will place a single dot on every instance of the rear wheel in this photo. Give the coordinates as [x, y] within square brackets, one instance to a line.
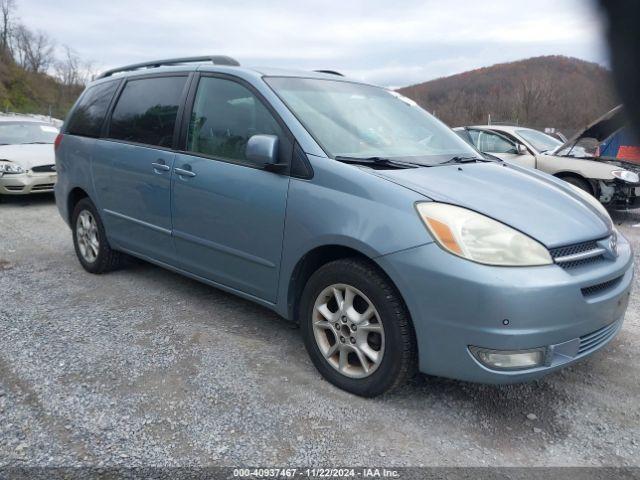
[90, 241]
[356, 328]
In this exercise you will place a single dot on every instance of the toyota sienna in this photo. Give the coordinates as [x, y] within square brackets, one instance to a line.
[345, 207]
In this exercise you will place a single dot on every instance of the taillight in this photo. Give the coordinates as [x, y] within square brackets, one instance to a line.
[57, 142]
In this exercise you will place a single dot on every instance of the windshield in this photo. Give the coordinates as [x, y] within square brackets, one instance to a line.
[538, 140]
[16, 133]
[354, 120]
[584, 148]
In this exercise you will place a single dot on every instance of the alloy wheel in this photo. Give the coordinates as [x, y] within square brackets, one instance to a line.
[348, 330]
[87, 236]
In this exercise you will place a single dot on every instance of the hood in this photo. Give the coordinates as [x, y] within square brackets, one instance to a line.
[624, 164]
[536, 204]
[602, 128]
[28, 156]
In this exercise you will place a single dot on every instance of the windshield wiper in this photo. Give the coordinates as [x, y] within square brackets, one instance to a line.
[36, 143]
[461, 159]
[376, 161]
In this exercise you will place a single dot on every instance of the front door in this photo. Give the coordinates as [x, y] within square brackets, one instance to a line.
[228, 214]
[137, 160]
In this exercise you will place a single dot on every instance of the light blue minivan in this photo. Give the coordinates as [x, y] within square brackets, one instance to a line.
[347, 208]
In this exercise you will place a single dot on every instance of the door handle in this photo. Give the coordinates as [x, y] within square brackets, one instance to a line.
[160, 166]
[184, 173]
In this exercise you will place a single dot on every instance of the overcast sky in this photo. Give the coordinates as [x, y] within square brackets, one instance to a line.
[391, 43]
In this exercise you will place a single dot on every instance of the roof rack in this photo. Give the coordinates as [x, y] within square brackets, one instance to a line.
[330, 72]
[215, 59]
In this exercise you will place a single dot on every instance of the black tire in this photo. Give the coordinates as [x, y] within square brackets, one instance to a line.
[107, 259]
[399, 361]
[581, 183]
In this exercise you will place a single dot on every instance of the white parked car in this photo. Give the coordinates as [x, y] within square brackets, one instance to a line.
[27, 159]
[614, 183]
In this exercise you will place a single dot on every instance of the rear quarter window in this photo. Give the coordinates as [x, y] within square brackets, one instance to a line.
[88, 116]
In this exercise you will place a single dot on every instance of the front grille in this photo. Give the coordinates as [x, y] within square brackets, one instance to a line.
[573, 249]
[593, 340]
[43, 186]
[589, 252]
[581, 263]
[14, 188]
[44, 168]
[601, 287]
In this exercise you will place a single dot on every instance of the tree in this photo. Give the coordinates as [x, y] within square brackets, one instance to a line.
[71, 70]
[35, 77]
[7, 8]
[34, 50]
[533, 97]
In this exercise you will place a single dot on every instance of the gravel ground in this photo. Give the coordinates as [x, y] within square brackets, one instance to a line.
[145, 367]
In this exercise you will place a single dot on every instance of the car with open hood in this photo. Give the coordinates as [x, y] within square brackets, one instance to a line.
[27, 160]
[611, 178]
[345, 207]
[609, 141]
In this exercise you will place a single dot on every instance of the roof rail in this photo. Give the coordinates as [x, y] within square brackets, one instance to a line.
[330, 72]
[215, 59]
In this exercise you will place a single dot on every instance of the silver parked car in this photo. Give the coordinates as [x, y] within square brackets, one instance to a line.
[614, 184]
[27, 160]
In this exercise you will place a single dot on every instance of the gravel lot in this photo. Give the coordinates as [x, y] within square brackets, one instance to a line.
[145, 367]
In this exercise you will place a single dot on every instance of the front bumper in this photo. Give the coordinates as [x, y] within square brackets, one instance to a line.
[455, 304]
[26, 183]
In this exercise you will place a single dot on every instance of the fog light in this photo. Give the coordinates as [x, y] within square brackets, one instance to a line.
[509, 359]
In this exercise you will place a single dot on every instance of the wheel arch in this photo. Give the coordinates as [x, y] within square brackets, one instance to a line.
[75, 195]
[316, 258]
[569, 174]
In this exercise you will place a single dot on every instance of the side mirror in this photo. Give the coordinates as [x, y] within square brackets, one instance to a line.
[521, 149]
[262, 150]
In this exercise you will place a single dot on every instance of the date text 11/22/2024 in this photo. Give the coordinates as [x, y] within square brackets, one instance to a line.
[315, 473]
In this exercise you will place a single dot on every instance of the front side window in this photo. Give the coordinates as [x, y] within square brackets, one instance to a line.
[225, 115]
[88, 116]
[465, 135]
[22, 133]
[492, 143]
[146, 111]
[356, 120]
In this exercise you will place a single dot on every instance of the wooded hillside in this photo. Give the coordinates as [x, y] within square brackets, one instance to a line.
[29, 92]
[36, 74]
[552, 91]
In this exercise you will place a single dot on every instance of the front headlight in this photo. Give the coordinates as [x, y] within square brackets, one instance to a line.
[626, 176]
[593, 201]
[8, 167]
[481, 239]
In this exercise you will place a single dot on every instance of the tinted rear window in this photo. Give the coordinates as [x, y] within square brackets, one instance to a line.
[88, 116]
[146, 111]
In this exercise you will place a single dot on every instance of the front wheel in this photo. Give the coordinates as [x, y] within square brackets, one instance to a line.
[356, 328]
[580, 183]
